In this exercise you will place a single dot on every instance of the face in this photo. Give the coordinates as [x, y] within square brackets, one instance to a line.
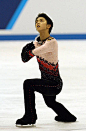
[41, 24]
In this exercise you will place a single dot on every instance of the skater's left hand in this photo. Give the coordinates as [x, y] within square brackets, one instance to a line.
[36, 44]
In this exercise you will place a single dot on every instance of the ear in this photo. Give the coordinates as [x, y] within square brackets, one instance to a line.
[48, 26]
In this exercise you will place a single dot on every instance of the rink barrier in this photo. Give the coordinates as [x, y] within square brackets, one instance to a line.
[32, 37]
[10, 10]
[16, 14]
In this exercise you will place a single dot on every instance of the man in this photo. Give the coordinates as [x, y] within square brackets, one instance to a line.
[45, 48]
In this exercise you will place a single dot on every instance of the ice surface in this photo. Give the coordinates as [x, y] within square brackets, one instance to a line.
[72, 66]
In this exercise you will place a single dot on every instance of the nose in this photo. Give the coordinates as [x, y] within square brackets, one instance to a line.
[38, 22]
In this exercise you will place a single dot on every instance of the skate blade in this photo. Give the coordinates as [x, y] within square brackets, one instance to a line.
[28, 125]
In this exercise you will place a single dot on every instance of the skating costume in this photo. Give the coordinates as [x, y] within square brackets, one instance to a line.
[49, 85]
[50, 76]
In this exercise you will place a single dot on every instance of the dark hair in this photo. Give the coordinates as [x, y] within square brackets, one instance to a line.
[49, 21]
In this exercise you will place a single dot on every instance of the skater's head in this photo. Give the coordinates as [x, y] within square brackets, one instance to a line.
[43, 21]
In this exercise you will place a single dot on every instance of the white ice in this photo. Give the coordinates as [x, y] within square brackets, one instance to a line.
[72, 66]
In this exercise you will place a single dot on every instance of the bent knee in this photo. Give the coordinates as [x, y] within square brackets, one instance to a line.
[25, 82]
[28, 84]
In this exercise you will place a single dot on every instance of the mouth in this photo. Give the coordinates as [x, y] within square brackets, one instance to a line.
[38, 26]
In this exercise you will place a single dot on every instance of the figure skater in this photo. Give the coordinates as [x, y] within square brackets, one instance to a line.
[45, 48]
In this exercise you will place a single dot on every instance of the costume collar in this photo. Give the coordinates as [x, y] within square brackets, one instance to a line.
[39, 41]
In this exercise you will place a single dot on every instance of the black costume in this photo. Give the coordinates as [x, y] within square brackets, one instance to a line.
[49, 86]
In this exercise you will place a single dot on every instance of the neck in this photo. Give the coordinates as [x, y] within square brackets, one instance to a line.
[44, 35]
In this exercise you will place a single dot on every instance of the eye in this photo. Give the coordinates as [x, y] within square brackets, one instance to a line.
[36, 21]
[41, 20]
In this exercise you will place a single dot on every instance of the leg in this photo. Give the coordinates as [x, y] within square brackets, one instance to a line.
[42, 86]
[29, 102]
[63, 114]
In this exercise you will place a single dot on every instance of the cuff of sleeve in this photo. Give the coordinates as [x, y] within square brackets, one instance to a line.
[30, 53]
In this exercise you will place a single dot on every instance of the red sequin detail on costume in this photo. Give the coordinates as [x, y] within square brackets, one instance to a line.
[48, 70]
[30, 53]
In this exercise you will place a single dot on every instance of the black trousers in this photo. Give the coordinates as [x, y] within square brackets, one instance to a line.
[49, 90]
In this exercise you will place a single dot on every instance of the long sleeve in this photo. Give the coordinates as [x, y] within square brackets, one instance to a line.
[48, 46]
[27, 54]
